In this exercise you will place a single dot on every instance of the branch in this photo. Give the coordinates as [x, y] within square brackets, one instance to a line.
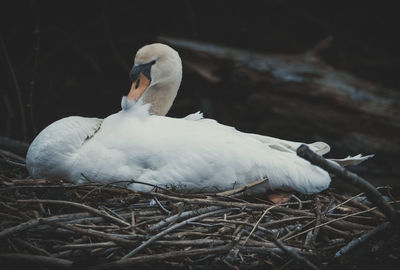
[371, 192]
[352, 244]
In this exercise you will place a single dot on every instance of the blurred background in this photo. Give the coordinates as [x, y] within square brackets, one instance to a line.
[297, 70]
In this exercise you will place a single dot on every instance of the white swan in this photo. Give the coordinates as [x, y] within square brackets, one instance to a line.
[140, 143]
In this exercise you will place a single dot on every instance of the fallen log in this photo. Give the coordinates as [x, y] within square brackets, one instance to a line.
[297, 97]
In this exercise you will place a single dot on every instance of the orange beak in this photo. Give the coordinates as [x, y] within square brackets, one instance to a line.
[138, 87]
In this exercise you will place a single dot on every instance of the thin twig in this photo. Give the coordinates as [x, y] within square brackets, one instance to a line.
[232, 204]
[35, 222]
[258, 222]
[106, 236]
[165, 222]
[329, 222]
[161, 206]
[357, 204]
[242, 189]
[81, 206]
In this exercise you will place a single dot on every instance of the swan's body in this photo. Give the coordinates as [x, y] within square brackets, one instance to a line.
[193, 153]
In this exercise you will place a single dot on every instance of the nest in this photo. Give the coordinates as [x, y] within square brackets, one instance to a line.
[59, 225]
[54, 224]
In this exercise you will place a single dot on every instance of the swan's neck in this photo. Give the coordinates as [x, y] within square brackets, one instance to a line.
[161, 96]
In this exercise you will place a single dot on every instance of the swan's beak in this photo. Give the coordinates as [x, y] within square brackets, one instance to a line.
[138, 87]
[141, 77]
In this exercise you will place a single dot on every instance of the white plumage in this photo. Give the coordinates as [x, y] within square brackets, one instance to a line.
[191, 153]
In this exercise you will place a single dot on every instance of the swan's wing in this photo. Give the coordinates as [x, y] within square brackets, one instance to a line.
[50, 152]
[320, 148]
[205, 154]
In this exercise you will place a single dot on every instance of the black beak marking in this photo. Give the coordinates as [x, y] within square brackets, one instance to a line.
[145, 69]
[137, 83]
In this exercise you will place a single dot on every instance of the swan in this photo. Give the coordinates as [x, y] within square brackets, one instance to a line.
[141, 143]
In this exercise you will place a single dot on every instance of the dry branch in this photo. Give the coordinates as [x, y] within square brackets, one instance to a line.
[354, 243]
[373, 194]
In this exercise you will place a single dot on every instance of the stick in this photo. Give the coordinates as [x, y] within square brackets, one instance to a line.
[35, 222]
[21, 227]
[114, 213]
[178, 225]
[161, 256]
[86, 246]
[371, 192]
[345, 234]
[165, 222]
[292, 253]
[36, 259]
[106, 236]
[16, 157]
[32, 247]
[233, 204]
[258, 222]
[357, 204]
[329, 222]
[269, 250]
[242, 188]
[161, 206]
[317, 221]
[90, 209]
[347, 225]
[354, 243]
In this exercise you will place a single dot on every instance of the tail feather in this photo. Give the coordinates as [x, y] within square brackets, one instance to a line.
[320, 148]
[351, 161]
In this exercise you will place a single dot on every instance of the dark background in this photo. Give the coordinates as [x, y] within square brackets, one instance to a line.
[73, 57]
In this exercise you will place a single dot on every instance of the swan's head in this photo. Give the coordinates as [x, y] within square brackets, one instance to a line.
[156, 76]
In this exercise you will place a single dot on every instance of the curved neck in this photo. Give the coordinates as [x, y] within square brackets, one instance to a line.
[161, 96]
